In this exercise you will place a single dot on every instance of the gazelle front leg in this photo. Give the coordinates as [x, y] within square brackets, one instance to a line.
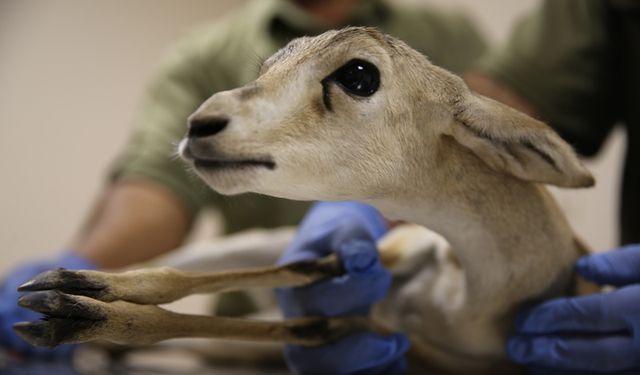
[402, 250]
[163, 285]
[82, 306]
[89, 305]
[75, 319]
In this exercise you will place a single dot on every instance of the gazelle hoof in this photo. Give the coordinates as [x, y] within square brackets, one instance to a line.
[71, 282]
[66, 318]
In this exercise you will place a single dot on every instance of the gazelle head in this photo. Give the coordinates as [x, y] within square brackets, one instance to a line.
[355, 114]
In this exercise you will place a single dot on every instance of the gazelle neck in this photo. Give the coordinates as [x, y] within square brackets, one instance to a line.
[508, 235]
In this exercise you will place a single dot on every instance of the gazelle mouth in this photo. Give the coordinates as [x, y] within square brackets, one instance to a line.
[232, 164]
[212, 164]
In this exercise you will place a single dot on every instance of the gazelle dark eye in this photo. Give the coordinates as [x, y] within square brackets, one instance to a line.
[358, 77]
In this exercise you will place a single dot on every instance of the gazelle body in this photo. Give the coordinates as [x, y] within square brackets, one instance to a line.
[421, 147]
[354, 114]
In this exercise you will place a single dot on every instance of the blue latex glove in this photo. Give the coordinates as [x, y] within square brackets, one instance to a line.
[593, 334]
[11, 313]
[349, 229]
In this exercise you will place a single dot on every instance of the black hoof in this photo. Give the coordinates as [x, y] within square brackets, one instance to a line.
[52, 332]
[35, 333]
[71, 282]
[66, 317]
[53, 303]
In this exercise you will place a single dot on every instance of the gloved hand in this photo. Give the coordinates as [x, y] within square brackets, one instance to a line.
[592, 334]
[11, 313]
[349, 229]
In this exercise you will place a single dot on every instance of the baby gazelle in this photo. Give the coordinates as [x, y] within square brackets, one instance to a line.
[357, 115]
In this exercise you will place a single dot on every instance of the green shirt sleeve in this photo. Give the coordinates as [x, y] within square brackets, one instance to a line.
[557, 59]
[174, 92]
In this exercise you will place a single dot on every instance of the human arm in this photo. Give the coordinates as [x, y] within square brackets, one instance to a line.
[134, 221]
[350, 230]
[598, 333]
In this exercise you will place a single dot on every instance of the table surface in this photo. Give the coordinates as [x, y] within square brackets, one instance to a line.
[159, 361]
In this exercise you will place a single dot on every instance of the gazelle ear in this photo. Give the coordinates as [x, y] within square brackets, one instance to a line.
[512, 142]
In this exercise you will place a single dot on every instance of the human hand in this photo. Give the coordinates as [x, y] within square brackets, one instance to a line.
[349, 229]
[592, 334]
[11, 313]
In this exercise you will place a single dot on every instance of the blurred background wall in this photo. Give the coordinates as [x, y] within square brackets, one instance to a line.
[71, 74]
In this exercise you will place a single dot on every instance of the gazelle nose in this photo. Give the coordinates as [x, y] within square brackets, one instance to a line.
[204, 127]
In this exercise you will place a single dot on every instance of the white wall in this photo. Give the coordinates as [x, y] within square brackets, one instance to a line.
[71, 72]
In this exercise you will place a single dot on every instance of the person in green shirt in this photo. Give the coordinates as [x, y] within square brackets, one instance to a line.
[149, 203]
